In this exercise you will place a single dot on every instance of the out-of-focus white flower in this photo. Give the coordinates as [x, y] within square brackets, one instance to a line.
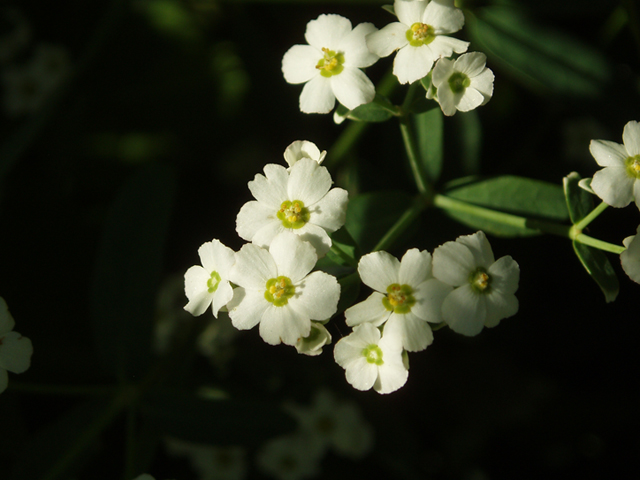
[406, 297]
[300, 201]
[211, 462]
[483, 287]
[630, 258]
[216, 341]
[463, 84]
[372, 360]
[15, 350]
[419, 36]
[330, 64]
[303, 149]
[144, 476]
[290, 457]
[28, 87]
[16, 38]
[618, 183]
[335, 424]
[312, 344]
[208, 285]
[276, 290]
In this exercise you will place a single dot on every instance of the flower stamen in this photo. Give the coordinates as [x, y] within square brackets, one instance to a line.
[279, 290]
[331, 63]
[373, 354]
[420, 34]
[399, 298]
[293, 214]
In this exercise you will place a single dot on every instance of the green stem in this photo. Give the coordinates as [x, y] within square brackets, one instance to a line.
[406, 219]
[599, 244]
[593, 214]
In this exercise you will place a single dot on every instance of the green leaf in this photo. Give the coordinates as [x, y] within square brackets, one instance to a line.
[599, 268]
[544, 59]
[235, 421]
[468, 142]
[579, 201]
[345, 244]
[128, 271]
[379, 110]
[371, 215]
[390, 9]
[510, 194]
[429, 132]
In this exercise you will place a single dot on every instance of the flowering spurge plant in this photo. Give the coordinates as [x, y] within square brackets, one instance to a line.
[330, 64]
[15, 350]
[276, 290]
[299, 200]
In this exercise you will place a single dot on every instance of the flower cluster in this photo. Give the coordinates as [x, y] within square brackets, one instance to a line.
[330, 65]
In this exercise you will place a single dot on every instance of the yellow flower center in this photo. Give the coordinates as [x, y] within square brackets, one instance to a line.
[420, 34]
[331, 63]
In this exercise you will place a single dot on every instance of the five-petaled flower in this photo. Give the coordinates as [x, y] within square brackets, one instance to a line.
[330, 64]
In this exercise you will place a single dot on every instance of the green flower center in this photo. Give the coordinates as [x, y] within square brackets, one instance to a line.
[399, 298]
[633, 166]
[480, 281]
[373, 354]
[420, 34]
[213, 282]
[331, 63]
[279, 291]
[458, 82]
[293, 214]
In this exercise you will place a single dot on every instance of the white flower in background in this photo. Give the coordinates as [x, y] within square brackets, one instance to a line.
[463, 84]
[216, 341]
[335, 424]
[419, 36]
[15, 350]
[277, 291]
[618, 183]
[144, 476]
[372, 360]
[208, 285]
[330, 65]
[483, 287]
[630, 258]
[303, 149]
[28, 87]
[312, 344]
[290, 457]
[16, 37]
[300, 201]
[211, 462]
[406, 297]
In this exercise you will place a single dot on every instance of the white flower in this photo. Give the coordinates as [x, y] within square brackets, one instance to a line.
[484, 288]
[630, 258]
[144, 476]
[303, 149]
[209, 284]
[419, 36]
[334, 423]
[371, 360]
[290, 457]
[300, 201]
[277, 291]
[464, 84]
[618, 183]
[406, 297]
[330, 65]
[312, 344]
[15, 350]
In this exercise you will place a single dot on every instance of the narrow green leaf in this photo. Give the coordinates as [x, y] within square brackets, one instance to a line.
[379, 110]
[128, 271]
[390, 9]
[599, 268]
[467, 142]
[579, 201]
[344, 242]
[429, 132]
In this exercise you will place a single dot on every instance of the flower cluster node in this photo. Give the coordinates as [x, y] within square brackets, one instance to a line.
[373, 354]
[480, 281]
[293, 214]
[331, 63]
[213, 282]
[420, 34]
[633, 166]
[399, 298]
[279, 291]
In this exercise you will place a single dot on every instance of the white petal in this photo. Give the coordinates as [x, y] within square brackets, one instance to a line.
[299, 63]
[221, 297]
[636, 192]
[630, 258]
[331, 211]
[370, 310]
[283, 324]
[247, 307]
[6, 320]
[15, 352]
[412, 63]
[253, 267]
[499, 306]
[317, 96]
[294, 257]
[270, 190]
[471, 64]
[196, 290]
[429, 297]
[215, 256]
[327, 31]
[443, 18]
[443, 46]
[409, 12]
[352, 87]
[447, 100]
[416, 334]
[479, 246]
[465, 311]
[613, 186]
[608, 154]
[453, 263]
[505, 275]
[484, 84]
[415, 267]
[631, 138]
[308, 182]
[469, 100]
[316, 236]
[253, 217]
[361, 374]
[378, 270]
[387, 40]
[303, 149]
[317, 296]
[354, 46]
[442, 71]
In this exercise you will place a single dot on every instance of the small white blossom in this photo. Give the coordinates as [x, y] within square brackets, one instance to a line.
[15, 350]
[372, 360]
[208, 285]
[303, 149]
[463, 84]
[330, 64]
[483, 287]
[618, 183]
[300, 201]
[290, 457]
[406, 297]
[312, 344]
[630, 258]
[419, 36]
[277, 291]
